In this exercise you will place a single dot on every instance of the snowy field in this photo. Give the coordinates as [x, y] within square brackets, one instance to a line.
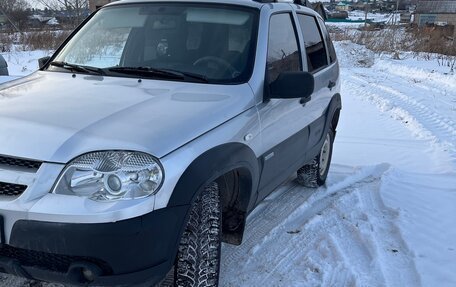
[387, 216]
[374, 17]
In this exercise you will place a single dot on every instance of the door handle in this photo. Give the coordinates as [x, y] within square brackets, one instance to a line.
[331, 85]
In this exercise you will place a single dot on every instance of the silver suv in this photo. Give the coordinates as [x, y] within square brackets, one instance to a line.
[152, 132]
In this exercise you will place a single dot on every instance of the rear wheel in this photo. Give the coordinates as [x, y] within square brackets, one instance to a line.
[198, 259]
[314, 174]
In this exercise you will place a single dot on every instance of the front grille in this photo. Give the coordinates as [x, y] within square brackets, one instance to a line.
[49, 261]
[17, 162]
[11, 189]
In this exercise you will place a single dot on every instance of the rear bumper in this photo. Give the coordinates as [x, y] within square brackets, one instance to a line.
[127, 252]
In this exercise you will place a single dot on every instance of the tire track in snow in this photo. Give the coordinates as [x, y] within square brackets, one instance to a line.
[319, 241]
[395, 258]
[437, 81]
[427, 218]
[446, 129]
[445, 126]
[420, 120]
[265, 218]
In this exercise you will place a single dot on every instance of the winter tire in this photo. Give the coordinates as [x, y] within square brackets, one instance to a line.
[198, 259]
[314, 174]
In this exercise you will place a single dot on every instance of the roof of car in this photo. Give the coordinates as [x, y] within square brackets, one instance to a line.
[247, 3]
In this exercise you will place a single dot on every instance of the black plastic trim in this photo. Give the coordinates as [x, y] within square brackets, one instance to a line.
[19, 162]
[213, 164]
[286, 158]
[11, 189]
[134, 249]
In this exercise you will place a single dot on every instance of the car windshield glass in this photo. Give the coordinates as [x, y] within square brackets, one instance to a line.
[209, 42]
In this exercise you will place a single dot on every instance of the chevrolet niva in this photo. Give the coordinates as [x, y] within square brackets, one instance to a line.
[152, 132]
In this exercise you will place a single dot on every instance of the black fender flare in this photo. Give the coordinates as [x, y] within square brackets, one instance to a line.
[332, 117]
[335, 105]
[211, 165]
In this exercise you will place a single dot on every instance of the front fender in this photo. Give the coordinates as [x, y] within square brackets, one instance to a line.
[213, 164]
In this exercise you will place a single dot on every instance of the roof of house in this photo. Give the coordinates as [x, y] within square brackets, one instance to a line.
[436, 7]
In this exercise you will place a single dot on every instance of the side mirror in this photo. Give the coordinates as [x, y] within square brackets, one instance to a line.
[3, 67]
[43, 61]
[292, 85]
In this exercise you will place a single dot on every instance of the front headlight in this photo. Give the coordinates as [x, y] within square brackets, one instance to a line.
[111, 175]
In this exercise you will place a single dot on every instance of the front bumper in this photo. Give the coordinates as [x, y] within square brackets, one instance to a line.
[127, 252]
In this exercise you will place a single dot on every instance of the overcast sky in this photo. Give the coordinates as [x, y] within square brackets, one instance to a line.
[35, 4]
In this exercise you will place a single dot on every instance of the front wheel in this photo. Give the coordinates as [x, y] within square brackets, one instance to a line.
[314, 174]
[198, 258]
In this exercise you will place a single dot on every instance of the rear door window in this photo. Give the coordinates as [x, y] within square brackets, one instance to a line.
[317, 58]
[329, 44]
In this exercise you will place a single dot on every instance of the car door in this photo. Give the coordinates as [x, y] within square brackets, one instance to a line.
[284, 122]
[325, 75]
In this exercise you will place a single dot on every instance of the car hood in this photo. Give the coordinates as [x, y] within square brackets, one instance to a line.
[55, 117]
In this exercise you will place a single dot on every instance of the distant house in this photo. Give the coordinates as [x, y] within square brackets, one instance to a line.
[435, 12]
[97, 4]
[405, 17]
[343, 6]
[37, 21]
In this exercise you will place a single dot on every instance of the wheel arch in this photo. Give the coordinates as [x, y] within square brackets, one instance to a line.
[230, 165]
[334, 109]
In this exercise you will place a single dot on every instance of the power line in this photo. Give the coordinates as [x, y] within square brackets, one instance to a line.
[9, 20]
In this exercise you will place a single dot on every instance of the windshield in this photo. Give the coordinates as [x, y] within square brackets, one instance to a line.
[212, 42]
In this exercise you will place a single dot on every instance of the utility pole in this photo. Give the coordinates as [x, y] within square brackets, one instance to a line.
[397, 12]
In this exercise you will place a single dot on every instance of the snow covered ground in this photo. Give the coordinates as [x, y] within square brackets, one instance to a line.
[387, 216]
[21, 63]
[375, 17]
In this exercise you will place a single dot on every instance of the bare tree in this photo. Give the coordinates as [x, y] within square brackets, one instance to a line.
[16, 11]
[77, 8]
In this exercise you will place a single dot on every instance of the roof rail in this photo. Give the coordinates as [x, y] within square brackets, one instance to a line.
[317, 7]
[305, 3]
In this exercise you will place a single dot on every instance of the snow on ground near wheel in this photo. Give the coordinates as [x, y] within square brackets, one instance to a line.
[387, 215]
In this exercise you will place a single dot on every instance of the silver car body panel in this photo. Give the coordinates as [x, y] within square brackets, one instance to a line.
[90, 113]
[55, 117]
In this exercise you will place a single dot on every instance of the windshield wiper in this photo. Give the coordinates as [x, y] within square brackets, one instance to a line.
[147, 71]
[165, 73]
[78, 68]
[194, 76]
